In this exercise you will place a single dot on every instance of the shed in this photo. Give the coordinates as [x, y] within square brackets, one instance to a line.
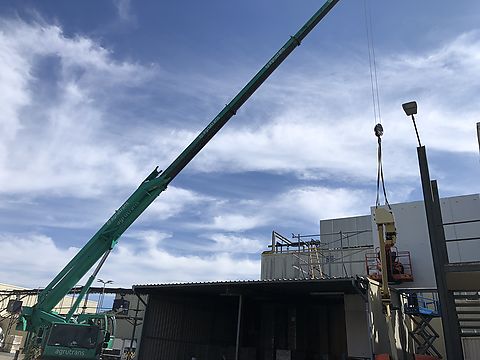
[261, 319]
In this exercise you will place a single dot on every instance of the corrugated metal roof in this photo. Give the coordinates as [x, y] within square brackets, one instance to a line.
[345, 285]
[229, 282]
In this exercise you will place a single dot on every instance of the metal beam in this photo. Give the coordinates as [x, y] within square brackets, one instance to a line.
[453, 344]
[478, 134]
[239, 327]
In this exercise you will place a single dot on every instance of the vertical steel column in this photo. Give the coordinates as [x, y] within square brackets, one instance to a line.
[453, 344]
[239, 323]
[137, 310]
[478, 134]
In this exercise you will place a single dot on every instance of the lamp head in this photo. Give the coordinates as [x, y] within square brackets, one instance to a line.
[410, 108]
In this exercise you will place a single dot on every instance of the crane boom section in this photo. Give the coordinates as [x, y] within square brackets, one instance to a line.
[106, 238]
[232, 107]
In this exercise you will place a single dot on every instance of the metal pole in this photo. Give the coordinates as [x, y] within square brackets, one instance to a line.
[341, 253]
[85, 302]
[239, 320]
[478, 134]
[100, 302]
[453, 344]
[134, 327]
[416, 131]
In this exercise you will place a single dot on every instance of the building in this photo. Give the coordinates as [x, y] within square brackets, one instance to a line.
[129, 321]
[345, 242]
[315, 299]
[344, 246]
[12, 298]
[263, 319]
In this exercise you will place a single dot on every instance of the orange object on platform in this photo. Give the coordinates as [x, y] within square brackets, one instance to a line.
[382, 357]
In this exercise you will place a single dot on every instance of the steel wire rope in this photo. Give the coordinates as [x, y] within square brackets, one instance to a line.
[378, 129]
[372, 64]
[380, 178]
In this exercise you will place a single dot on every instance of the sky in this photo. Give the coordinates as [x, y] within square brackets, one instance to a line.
[96, 94]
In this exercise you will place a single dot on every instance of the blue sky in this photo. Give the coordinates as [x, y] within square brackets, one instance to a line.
[96, 94]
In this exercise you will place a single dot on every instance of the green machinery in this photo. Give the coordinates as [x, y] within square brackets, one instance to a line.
[83, 337]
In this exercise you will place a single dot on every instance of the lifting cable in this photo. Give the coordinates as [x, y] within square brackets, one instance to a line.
[372, 63]
[378, 129]
[378, 133]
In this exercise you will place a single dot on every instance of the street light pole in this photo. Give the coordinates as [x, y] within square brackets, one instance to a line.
[100, 301]
[438, 246]
[478, 134]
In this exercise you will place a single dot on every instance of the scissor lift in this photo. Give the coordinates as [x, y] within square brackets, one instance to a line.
[421, 310]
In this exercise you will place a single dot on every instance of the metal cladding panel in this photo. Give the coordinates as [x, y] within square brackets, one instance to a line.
[334, 263]
[412, 235]
[471, 348]
[186, 328]
[358, 229]
[280, 266]
[199, 320]
[461, 208]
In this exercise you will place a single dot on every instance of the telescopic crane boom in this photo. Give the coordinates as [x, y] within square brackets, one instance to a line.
[41, 315]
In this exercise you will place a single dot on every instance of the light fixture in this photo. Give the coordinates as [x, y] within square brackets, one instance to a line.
[410, 109]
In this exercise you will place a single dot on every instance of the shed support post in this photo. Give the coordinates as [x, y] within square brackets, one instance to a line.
[239, 323]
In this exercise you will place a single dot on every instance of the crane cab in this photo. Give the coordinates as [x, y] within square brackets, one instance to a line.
[72, 341]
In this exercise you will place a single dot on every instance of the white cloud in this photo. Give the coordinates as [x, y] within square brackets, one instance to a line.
[319, 127]
[58, 137]
[124, 10]
[234, 222]
[320, 123]
[131, 266]
[299, 205]
[150, 239]
[316, 203]
[127, 265]
[444, 82]
[174, 201]
[32, 259]
[236, 244]
[51, 128]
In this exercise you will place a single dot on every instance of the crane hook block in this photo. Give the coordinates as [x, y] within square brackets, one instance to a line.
[378, 129]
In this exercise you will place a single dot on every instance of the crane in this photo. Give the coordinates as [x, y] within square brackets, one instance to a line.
[82, 336]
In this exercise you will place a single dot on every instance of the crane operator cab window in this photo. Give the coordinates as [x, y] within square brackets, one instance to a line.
[74, 336]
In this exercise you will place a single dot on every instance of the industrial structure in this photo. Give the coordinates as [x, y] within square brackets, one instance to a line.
[128, 309]
[401, 281]
[346, 248]
[13, 298]
[317, 297]
[91, 336]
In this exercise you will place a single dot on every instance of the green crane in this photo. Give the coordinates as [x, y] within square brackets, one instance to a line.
[81, 337]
